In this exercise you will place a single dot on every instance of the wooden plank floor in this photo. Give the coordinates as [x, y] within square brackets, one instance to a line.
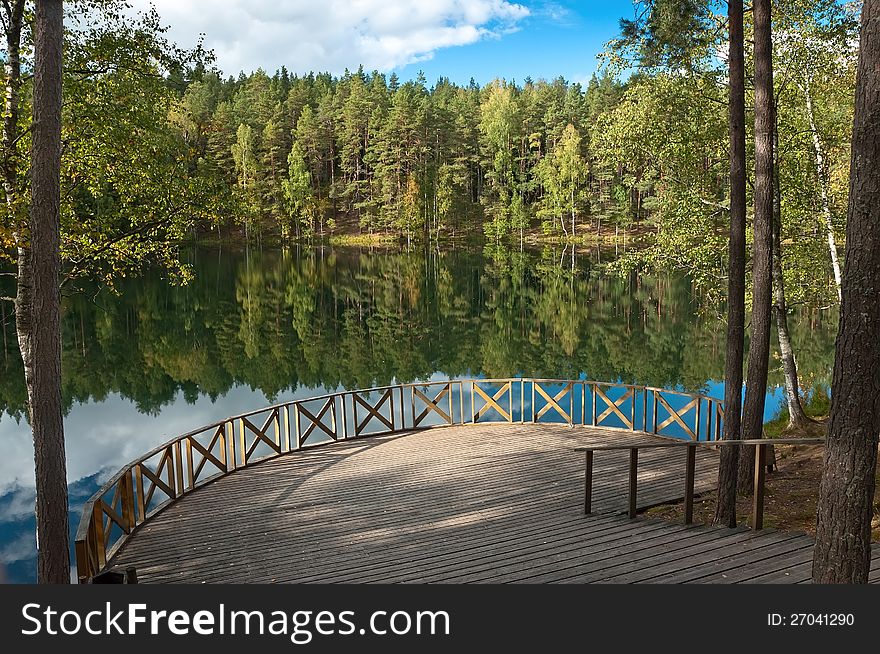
[488, 503]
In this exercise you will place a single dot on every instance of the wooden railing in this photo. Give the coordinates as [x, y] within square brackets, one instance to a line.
[153, 481]
[761, 445]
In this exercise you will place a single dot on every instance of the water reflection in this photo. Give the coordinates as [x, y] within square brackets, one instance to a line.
[254, 328]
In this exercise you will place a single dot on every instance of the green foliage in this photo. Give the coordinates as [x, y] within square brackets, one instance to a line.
[671, 34]
[133, 180]
[667, 137]
[298, 194]
[563, 173]
[665, 142]
[404, 159]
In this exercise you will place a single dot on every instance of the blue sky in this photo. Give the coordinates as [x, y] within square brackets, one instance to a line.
[460, 39]
[545, 45]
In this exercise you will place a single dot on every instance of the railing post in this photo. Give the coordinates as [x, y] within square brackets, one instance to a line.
[141, 513]
[708, 420]
[593, 387]
[177, 457]
[654, 393]
[190, 473]
[171, 470]
[632, 409]
[83, 566]
[412, 400]
[128, 509]
[451, 410]
[241, 442]
[583, 403]
[98, 534]
[534, 413]
[285, 424]
[588, 483]
[758, 490]
[403, 411]
[633, 480]
[461, 400]
[229, 430]
[690, 469]
[298, 432]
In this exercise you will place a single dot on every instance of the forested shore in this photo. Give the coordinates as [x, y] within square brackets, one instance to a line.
[641, 147]
[638, 151]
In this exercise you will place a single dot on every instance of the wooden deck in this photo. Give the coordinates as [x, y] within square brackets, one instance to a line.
[487, 503]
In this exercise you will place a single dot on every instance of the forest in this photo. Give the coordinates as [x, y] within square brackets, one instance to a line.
[642, 147]
[640, 150]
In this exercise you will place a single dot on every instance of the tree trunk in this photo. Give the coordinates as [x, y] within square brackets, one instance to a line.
[822, 176]
[725, 508]
[759, 343]
[797, 419]
[846, 493]
[13, 16]
[45, 227]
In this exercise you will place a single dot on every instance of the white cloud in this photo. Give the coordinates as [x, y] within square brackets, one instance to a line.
[102, 436]
[332, 35]
[21, 548]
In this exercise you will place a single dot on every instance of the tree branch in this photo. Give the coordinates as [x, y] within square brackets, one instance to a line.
[109, 245]
[23, 133]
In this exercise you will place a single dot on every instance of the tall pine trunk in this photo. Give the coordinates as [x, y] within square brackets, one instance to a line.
[846, 493]
[45, 264]
[759, 343]
[725, 509]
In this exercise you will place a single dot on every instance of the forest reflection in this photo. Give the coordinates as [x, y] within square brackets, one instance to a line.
[325, 318]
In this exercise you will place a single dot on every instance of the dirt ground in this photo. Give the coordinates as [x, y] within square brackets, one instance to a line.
[790, 497]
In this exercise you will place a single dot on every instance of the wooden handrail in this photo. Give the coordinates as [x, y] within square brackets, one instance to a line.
[760, 444]
[147, 485]
[682, 443]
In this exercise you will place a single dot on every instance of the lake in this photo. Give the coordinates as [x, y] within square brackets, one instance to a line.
[153, 360]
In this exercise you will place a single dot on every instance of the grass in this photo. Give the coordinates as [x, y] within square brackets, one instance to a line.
[363, 240]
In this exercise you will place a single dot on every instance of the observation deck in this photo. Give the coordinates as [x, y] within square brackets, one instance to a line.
[461, 481]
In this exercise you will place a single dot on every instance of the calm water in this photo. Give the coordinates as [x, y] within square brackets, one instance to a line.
[156, 360]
